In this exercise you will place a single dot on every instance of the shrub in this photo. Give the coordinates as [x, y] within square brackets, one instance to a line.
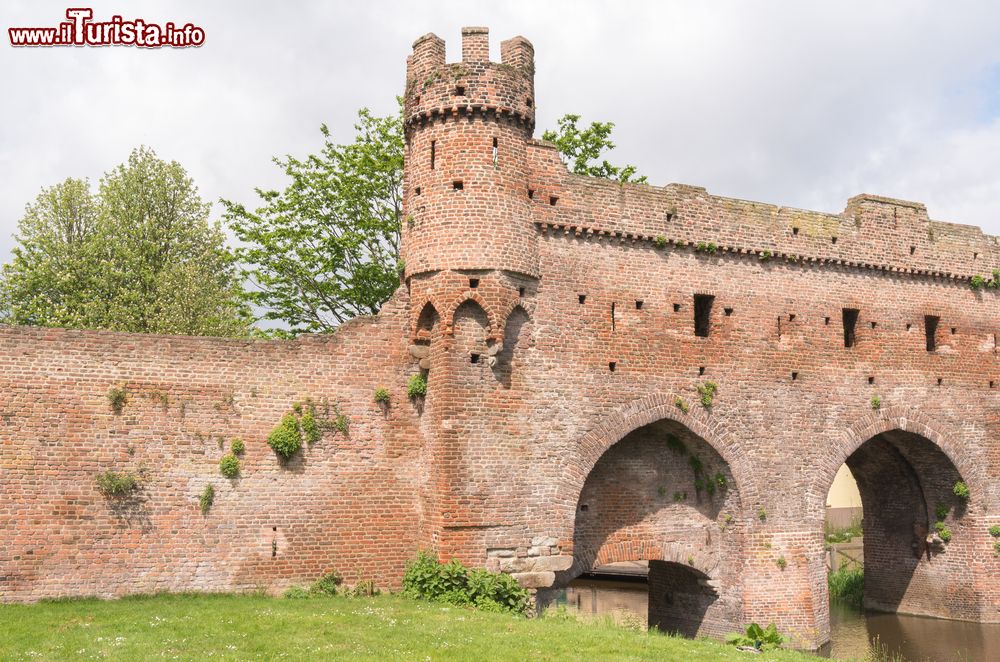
[365, 588]
[681, 404]
[286, 438]
[940, 511]
[995, 530]
[707, 392]
[417, 386]
[229, 466]
[117, 398]
[943, 531]
[762, 515]
[977, 282]
[781, 562]
[116, 484]
[763, 639]
[453, 583]
[876, 402]
[206, 499]
[382, 395]
[764, 256]
[660, 241]
[327, 584]
[295, 593]
[996, 547]
[847, 584]
[237, 447]
[961, 490]
[310, 427]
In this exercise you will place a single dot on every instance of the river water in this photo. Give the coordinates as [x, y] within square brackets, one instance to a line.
[917, 638]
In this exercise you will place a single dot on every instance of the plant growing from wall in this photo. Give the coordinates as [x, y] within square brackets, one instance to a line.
[117, 483]
[764, 256]
[707, 392]
[382, 395]
[237, 447]
[781, 563]
[206, 499]
[310, 427]
[876, 402]
[943, 531]
[286, 438]
[117, 398]
[229, 466]
[453, 583]
[762, 515]
[961, 490]
[660, 241]
[941, 511]
[706, 247]
[416, 387]
[995, 530]
[680, 496]
[681, 404]
[977, 283]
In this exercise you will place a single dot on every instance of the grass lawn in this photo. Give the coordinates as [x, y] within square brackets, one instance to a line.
[243, 627]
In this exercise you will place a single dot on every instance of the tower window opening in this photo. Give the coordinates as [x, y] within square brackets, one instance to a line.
[954, 330]
[703, 314]
[833, 240]
[417, 190]
[930, 331]
[459, 90]
[528, 102]
[826, 321]
[701, 370]
[913, 249]
[612, 365]
[638, 304]
[677, 307]
[553, 200]
[850, 326]
[795, 231]
[795, 376]
[458, 185]
[520, 291]
[531, 194]
[473, 283]
[433, 152]
[612, 315]
[496, 149]
[582, 298]
[874, 324]
[871, 380]
[728, 311]
[474, 358]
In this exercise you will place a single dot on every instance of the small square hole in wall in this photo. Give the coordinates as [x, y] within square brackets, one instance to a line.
[529, 102]
[991, 383]
[582, 298]
[940, 381]
[954, 330]
[584, 507]
[458, 185]
[975, 256]
[459, 91]
[612, 365]
[791, 317]
[873, 325]
[728, 311]
[520, 291]
[553, 200]
[833, 240]
[826, 321]
[417, 190]
[473, 358]
[701, 370]
[473, 283]
[908, 326]
[795, 230]
[677, 307]
[913, 249]
[531, 194]
[638, 304]
[795, 376]
[871, 380]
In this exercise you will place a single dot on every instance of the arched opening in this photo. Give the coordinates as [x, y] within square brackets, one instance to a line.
[517, 337]
[910, 552]
[658, 511]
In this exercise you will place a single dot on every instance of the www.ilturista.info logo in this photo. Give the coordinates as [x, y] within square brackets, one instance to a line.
[80, 30]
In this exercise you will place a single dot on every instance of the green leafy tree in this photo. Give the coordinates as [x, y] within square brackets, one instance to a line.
[580, 148]
[140, 256]
[326, 249]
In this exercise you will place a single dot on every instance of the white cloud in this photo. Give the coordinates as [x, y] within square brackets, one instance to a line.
[797, 103]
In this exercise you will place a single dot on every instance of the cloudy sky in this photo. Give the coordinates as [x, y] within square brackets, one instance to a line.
[798, 103]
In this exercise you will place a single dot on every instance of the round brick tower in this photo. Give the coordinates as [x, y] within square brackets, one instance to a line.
[467, 215]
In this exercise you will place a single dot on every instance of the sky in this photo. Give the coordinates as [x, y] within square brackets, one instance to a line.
[797, 103]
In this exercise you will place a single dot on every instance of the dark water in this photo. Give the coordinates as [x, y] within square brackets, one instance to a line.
[917, 638]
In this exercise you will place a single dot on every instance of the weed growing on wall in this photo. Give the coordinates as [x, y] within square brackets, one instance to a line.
[286, 438]
[237, 447]
[117, 398]
[706, 391]
[943, 531]
[382, 395]
[876, 402]
[417, 386]
[206, 499]
[117, 483]
[961, 490]
[229, 466]
[681, 404]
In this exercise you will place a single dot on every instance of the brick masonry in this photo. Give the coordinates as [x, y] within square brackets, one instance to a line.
[554, 317]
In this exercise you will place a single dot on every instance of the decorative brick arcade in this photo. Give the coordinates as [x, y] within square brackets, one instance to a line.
[565, 325]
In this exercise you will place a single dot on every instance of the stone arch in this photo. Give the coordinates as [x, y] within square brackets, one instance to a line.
[470, 330]
[705, 562]
[424, 318]
[476, 298]
[614, 426]
[516, 336]
[884, 420]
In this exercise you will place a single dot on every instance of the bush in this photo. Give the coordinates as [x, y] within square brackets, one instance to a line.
[876, 402]
[763, 639]
[453, 583]
[310, 427]
[943, 531]
[327, 584]
[995, 530]
[941, 511]
[237, 447]
[707, 392]
[660, 241]
[681, 404]
[417, 386]
[847, 584]
[977, 282]
[961, 490]
[286, 439]
[206, 499]
[117, 398]
[382, 395]
[295, 593]
[229, 466]
[116, 484]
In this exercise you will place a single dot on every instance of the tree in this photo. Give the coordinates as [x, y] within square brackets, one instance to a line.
[579, 148]
[140, 256]
[327, 247]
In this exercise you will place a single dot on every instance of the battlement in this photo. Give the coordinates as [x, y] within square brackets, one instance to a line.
[438, 90]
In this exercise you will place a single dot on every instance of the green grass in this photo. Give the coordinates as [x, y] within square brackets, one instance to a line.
[231, 627]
